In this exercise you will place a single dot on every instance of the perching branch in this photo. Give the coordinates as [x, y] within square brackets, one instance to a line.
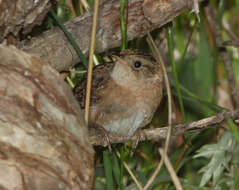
[226, 57]
[177, 130]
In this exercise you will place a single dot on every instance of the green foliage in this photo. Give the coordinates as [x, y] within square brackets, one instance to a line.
[221, 155]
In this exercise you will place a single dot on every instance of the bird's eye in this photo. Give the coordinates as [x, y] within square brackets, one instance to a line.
[137, 64]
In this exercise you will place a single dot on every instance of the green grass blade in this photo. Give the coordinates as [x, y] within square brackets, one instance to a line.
[187, 95]
[191, 95]
[234, 129]
[116, 169]
[221, 8]
[170, 36]
[213, 107]
[71, 39]
[123, 23]
[122, 158]
[108, 170]
[186, 48]
[236, 177]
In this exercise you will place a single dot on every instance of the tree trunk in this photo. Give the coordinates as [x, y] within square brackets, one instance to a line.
[43, 141]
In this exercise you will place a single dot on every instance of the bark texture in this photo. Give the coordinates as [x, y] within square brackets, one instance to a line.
[143, 16]
[21, 15]
[43, 141]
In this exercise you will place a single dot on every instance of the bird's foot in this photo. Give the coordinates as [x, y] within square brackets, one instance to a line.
[102, 133]
[138, 135]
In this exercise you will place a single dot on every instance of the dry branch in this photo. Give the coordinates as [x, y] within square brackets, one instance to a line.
[43, 140]
[226, 57]
[55, 48]
[161, 133]
[230, 43]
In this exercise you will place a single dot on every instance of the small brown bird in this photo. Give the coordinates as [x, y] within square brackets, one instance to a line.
[125, 93]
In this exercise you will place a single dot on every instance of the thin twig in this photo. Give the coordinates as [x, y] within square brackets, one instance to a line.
[175, 166]
[131, 173]
[171, 171]
[81, 7]
[229, 31]
[159, 59]
[77, 72]
[177, 130]
[230, 43]
[180, 157]
[195, 9]
[90, 68]
[85, 5]
[153, 176]
[70, 82]
[70, 4]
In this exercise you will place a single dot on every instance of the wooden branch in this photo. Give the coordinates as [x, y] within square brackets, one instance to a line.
[161, 133]
[230, 43]
[43, 139]
[226, 57]
[145, 16]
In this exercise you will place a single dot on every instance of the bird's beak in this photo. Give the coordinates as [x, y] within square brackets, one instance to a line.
[122, 61]
[119, 59]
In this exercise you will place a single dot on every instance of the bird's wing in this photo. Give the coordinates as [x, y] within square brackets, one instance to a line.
[100, 79]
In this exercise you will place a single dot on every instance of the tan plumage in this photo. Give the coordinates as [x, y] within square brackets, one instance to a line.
[125, 93]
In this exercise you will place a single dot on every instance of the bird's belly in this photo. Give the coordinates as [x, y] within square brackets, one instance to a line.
[122, 117]
[126, 126]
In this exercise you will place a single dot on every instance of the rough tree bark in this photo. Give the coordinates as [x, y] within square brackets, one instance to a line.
[21, 15]
[43, 141]
[143, 16]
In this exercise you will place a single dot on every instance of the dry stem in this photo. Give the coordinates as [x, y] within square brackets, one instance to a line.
[226, 58]
[131, 173]
[160, 61]
[171, 170]
[90, 67]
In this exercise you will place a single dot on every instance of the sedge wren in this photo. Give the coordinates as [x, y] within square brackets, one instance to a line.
[125, 93]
